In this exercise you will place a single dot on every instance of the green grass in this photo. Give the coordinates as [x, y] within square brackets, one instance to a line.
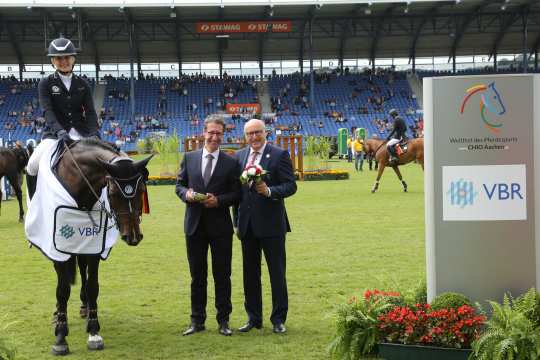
[344, 240]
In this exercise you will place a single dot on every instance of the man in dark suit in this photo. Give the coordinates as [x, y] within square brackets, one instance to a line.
[207, 222]
[262, 224]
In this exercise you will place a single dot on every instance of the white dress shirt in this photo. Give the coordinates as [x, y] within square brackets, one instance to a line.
[66, 79]
[258, 161]
[259, 155]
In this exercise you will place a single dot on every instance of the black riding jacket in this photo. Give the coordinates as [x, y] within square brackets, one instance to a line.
[63, 109]
[399, 130]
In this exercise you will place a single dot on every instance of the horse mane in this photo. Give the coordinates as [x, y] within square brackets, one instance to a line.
[99, 143]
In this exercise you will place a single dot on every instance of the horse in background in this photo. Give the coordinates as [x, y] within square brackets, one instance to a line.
[370, 148]
[85, 169]
[12, 164]
[414, 152]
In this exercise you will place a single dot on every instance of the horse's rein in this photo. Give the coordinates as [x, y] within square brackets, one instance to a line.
[380, 146]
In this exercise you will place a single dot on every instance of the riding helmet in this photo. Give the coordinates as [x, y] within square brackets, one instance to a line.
[61, 47]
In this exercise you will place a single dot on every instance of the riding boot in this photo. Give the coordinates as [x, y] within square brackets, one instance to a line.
[31, 183]
[393, 156]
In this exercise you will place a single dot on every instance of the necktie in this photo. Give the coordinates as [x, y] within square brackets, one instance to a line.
[253, 157]
[208, 169]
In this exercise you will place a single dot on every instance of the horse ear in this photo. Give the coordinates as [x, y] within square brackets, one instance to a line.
[110, 168]
[139, 165]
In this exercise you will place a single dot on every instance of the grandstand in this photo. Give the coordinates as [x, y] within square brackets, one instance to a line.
[156, 71]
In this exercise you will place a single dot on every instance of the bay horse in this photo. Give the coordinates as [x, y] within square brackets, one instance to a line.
[12, 164]
[415, 152]
[85, 169]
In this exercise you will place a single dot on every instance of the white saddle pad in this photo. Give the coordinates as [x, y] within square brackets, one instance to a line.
[57, 227]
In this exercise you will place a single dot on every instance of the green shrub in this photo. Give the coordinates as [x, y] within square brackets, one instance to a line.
[357, 331]
[418, 295]
[529, 305]
[450, 300]
[509, 335]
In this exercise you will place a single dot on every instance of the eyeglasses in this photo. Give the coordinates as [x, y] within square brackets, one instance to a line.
[254, 133]
[214, 133]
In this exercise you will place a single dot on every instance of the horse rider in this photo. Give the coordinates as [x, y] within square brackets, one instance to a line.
[398, 134]
[67, 105]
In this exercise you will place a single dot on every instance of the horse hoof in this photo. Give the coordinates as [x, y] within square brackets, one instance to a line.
[60, 349]
[95, 343]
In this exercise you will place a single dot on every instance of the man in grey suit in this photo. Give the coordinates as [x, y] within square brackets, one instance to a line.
[208, 182]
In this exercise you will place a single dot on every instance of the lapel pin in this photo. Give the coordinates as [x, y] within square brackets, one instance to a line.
[267, 156]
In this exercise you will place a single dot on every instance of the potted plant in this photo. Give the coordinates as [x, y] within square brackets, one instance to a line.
[418, 332]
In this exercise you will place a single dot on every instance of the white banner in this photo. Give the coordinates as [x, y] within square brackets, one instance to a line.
[486, 192]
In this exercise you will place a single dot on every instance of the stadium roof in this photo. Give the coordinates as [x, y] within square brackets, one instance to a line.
[167, 32]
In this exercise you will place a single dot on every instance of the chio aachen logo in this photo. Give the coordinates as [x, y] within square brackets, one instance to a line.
[490, 102]
[463, 193]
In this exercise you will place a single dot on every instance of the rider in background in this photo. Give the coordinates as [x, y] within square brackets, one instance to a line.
[398, 134]
[67, 105]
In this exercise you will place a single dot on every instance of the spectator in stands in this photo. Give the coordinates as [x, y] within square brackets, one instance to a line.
[63, 97]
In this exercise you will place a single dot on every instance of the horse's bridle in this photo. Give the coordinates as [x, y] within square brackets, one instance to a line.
[128, 188]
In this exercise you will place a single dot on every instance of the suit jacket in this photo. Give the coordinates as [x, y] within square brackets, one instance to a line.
[224, 184]
[63, 109]
[267, 215]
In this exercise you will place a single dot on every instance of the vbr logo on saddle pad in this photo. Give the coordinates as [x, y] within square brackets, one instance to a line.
[490, 102]
[66, 231]
[484, 192]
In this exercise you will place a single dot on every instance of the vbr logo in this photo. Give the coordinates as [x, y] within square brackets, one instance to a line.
[490, 101]
[462, 193]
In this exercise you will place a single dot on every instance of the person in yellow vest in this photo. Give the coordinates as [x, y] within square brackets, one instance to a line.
[357, 147]
[349, 149]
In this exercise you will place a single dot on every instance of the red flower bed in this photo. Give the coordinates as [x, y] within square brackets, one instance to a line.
[455, 328]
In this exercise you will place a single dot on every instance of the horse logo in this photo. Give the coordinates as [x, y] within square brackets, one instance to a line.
[490, 101]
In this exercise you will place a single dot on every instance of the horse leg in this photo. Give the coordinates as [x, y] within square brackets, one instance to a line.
[95, 341]
[63, 289]
[398, 173]
[379, 174]
[83, 267]
[15, 184]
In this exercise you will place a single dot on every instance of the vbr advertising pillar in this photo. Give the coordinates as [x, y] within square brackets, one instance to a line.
[480, 184]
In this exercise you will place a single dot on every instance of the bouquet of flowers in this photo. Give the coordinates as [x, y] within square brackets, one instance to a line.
[252, 173]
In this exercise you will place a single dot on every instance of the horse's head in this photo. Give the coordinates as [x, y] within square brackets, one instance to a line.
[492, 100]
[126, 185]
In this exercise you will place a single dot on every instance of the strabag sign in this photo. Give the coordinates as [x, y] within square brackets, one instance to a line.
[244, 27]
[486, 192]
